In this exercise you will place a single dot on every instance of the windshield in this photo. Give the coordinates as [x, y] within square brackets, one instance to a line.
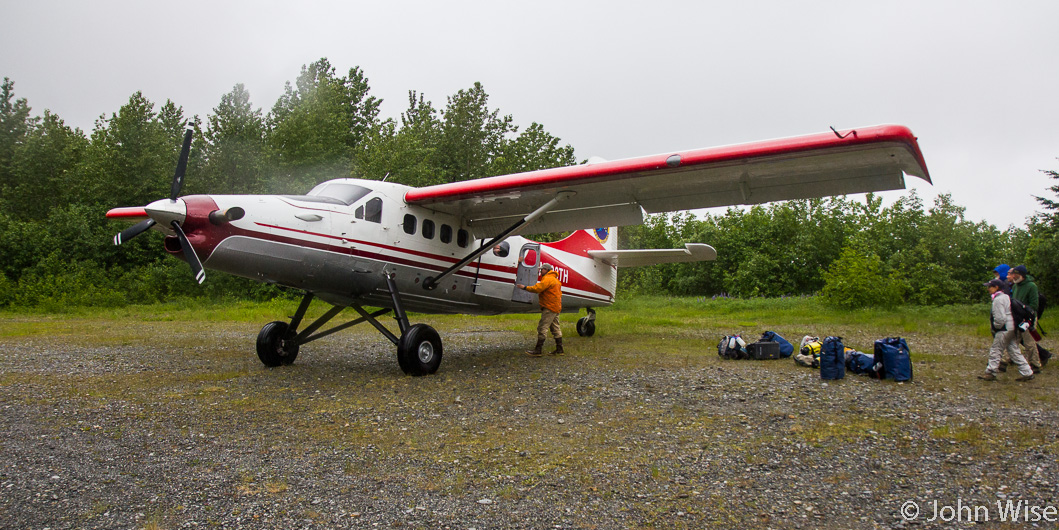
[345, 193]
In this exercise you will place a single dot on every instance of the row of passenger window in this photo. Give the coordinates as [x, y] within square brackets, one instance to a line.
[463, 238]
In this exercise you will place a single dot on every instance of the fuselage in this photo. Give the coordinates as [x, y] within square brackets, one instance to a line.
[340, 240]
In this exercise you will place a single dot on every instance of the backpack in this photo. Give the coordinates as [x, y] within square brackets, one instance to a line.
[832, 359]
[1023, 314]
[786, 348]
[809, 355]
[732, 347]
[896, 360]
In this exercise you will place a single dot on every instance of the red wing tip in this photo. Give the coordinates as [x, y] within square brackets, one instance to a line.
[128, 213]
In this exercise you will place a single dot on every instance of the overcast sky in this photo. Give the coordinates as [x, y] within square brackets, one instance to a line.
[976, 81]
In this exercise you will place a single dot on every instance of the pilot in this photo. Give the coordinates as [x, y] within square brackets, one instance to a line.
[500, 249]
[550, 297]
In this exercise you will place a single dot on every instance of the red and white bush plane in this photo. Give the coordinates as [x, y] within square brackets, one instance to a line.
[458, 248]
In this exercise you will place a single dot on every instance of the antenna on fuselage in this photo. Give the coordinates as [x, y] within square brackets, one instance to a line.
[386, 176]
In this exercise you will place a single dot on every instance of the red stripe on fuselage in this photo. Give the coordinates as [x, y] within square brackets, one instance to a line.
[205, 237]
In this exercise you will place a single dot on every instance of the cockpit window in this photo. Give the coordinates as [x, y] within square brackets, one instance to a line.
[373, 210]
[344, 192]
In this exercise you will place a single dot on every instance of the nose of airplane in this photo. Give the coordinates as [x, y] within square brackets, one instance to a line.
[165, 211]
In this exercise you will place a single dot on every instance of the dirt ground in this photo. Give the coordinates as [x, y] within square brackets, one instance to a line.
[153, 425]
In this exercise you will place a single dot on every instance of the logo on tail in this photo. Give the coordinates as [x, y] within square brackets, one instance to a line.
[602, 235]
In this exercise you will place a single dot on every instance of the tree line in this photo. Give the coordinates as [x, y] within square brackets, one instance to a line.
[56, 182]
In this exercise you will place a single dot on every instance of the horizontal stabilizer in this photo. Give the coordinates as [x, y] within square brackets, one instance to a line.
[642, 257]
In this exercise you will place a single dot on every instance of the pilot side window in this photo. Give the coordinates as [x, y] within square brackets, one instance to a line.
[463, 238]
[428, 229]
[446, 233]
[373, 211]
[409, 224]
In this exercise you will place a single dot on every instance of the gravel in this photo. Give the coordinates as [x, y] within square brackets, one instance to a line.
[192, 432]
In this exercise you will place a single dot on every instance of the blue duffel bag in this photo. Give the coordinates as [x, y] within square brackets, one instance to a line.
[832, 359]
[893, 353]
[786, 348]
[860, 363]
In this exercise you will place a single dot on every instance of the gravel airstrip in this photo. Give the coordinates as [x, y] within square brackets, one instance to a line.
[150, 425]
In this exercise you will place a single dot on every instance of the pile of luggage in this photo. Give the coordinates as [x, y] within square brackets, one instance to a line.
[890, 358]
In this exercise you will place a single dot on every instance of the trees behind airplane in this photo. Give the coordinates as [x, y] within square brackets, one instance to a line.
[56, 182]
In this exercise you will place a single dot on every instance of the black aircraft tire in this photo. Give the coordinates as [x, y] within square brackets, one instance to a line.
[274, 348]
[419, 350]
[586, 327]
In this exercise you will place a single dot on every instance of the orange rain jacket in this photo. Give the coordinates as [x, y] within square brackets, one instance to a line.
[549, 291]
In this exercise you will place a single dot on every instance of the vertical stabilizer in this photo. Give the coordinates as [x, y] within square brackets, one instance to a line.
[582, 241]
[579, 271]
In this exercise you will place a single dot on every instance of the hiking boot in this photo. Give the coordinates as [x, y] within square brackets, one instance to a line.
[1025, 378]
[988, 376]
[1003, 366]
[536, 351]
[558, 347]
[1036, 369]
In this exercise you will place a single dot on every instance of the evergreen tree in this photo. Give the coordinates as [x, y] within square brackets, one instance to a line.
[316, 130]
[472, 136]
[45, 168]
[235, 146]
[15, 122]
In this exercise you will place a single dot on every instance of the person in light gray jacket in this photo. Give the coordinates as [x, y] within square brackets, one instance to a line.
[1003, 326]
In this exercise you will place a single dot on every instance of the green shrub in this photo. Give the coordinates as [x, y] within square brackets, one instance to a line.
[54, 285]
[857, 280]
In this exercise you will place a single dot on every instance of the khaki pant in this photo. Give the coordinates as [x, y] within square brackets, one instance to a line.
[549, 321]
[1004, 346]
[1029, 347]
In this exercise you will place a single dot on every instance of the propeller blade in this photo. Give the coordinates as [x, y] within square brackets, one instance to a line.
[182, 165]
[189, 254]
[133, 231]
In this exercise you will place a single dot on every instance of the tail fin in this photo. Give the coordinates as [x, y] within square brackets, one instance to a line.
[582, 241]
[586, 278]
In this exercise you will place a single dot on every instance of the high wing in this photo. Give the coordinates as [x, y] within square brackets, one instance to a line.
[617, 193]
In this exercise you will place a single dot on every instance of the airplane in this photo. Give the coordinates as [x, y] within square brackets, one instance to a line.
[458, 247]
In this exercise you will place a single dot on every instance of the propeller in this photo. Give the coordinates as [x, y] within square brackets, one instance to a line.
[133, 231]
[182, 165]
[174, 192]
[189, 254]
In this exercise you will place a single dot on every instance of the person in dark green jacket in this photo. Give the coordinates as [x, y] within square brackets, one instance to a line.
[1024, 290]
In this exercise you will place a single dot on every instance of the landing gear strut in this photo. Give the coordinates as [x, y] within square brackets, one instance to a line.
[419, 347]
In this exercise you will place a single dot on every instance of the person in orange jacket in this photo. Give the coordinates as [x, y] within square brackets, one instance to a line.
[550, 296]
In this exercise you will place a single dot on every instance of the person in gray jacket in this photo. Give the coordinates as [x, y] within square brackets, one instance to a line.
[1003, 326]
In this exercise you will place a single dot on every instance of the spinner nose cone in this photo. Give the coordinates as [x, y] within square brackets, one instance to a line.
[165, 211]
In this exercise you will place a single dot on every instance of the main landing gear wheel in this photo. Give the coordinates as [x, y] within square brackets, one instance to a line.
[419, 350]
[275, 346]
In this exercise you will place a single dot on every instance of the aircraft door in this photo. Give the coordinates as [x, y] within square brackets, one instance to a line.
[529, 263]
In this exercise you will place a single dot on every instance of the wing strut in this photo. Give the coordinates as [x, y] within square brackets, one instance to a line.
[432, 282]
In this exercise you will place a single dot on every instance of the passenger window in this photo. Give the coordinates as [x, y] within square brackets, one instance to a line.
[373, 210]
[409, 224]
[501, 249]
[446, 233]
[428, 229]
[462, 238]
